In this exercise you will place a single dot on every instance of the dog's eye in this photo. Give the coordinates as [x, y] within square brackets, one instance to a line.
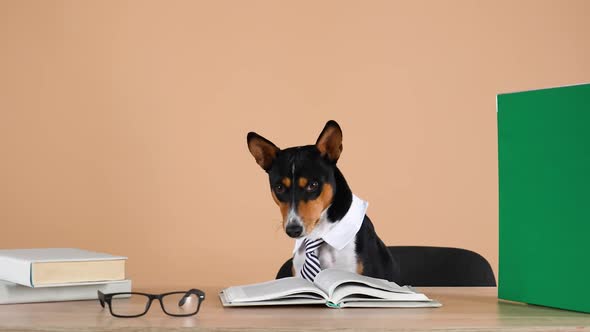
[312, 186]
[279, 188]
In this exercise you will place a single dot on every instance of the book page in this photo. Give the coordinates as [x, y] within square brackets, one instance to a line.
[348, 292]
[272, 290]
[282, 301]
[50, 273]
[328, 280]
[390, 304]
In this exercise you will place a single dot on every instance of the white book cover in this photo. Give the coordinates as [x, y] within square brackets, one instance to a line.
[16, 265]
[12, 293]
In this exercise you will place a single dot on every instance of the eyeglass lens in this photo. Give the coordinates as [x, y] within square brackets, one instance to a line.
[128, 305]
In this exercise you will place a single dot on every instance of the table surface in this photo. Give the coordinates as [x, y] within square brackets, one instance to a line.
[464, 309]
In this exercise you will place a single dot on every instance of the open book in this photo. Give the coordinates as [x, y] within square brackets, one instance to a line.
[334, 288]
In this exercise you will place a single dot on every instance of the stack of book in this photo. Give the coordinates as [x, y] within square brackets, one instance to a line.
[59, 274]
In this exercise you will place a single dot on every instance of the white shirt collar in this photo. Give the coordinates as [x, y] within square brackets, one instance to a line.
[339, 234]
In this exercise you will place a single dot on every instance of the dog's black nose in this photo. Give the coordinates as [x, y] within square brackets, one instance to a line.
[294, 230]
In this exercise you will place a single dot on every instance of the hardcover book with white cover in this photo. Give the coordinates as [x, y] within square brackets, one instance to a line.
[49, 267]
[11, 293]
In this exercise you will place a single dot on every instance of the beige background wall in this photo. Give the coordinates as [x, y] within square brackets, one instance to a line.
[123, 124]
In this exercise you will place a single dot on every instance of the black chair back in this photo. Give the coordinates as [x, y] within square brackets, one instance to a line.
[433, 266]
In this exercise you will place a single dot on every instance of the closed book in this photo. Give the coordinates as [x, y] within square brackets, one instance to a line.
[59, 266]
[11, 293]
[544, 196]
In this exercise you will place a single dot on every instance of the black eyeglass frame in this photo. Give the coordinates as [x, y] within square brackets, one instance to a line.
[107, 298]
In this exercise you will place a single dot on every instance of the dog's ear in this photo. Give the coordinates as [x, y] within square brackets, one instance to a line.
[330, 141]
[263, 150]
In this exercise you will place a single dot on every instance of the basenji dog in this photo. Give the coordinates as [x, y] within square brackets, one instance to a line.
[319, 210]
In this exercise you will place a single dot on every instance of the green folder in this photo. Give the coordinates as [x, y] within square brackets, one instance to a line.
[544, 174]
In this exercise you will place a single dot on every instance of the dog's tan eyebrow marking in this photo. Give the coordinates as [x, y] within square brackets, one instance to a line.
[302, 182]
[287, 182]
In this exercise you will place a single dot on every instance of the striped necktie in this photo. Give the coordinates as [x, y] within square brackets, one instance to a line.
[311, 267]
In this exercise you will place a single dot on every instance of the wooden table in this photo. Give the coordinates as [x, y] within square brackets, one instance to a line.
[464, 309]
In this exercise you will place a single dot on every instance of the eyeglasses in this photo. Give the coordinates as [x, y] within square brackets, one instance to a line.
[129, 305]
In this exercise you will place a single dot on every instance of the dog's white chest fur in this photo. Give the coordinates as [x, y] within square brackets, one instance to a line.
[330, 257]
[340, 234]
[344, 259]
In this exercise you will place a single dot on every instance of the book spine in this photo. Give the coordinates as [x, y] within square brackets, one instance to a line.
[11, 293]
[17, 271]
